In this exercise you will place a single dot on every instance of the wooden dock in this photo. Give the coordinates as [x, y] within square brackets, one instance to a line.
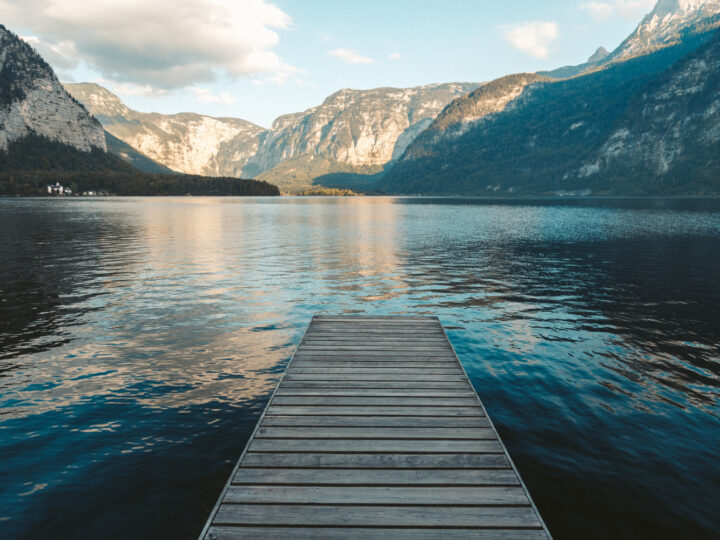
[375, 432]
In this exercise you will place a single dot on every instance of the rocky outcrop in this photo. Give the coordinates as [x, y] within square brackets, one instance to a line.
[32, 101]
[671, 22]
[667, 24]
[186, 142]
[352, 130]
[468, 111]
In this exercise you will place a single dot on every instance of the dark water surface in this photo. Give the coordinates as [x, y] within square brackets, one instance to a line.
[141, 338]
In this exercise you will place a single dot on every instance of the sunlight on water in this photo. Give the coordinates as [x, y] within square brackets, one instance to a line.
[140, 339]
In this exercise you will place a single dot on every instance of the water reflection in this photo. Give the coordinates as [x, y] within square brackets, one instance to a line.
[140, 338]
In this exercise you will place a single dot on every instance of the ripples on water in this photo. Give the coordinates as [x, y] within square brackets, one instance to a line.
[140, 339]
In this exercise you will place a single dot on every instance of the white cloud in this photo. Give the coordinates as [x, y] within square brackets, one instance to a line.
[349, 56]
[627, 9]
[205, 95]
[62, 55]
[163, 43]
[534, 38]
[394, 56]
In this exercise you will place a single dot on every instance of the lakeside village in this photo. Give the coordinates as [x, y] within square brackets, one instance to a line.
[59, 190]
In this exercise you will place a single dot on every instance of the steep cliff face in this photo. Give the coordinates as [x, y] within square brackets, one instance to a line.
[32, 101]
[468, 111]
[353, 130]
[186, 142]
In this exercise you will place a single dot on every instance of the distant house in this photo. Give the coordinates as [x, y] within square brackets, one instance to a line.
[56, 189]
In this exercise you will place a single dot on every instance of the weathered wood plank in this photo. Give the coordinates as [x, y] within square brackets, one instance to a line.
[374, 392]
[376, 495]
[356, 433]
[373, 377]
[397, 516]
[375, 322]
[377, 421]
[376, 370]
[383, 401]
[354, 317]
[389, 360]
[395, 364]
[376, 461]
[325, 339]
[351, 477]
[357, 446]
[441, 353]
[361, 410]
[359, 533]
[376, 347]
[288, 382]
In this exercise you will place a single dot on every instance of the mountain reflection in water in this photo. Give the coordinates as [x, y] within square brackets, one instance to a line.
[141, 338]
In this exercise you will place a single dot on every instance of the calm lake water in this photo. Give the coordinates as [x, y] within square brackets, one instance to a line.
[141, 338]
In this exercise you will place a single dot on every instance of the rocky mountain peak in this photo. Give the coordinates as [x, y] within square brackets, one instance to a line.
[666, 24]
[98, 100]
[673, 7]
[599, 55]
[32, 100]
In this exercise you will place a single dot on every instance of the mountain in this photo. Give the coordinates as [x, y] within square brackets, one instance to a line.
[32, 101]
[598, 56]
[669, 23]
[649, 124]
[185, 142]
[46, 136]
[469, 110]
[352, 131]
[131, 156]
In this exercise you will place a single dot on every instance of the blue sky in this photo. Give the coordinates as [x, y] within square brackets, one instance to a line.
[256, 60]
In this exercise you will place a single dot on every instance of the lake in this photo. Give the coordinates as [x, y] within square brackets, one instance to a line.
[140, 339]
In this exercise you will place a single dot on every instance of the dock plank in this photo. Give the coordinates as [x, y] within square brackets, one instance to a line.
[376, 461]
[359, 533]
[391, 477]
[384, 495]
[395, 516]
[374, 432]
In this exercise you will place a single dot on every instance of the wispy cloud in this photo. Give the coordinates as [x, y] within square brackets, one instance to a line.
[167, 44]
[350, 56]
[394, 56]
[534, 38]
[627, 9]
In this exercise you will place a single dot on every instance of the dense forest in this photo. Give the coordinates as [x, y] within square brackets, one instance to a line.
[33, 162]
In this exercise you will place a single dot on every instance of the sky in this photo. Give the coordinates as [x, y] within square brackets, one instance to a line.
[256, 59]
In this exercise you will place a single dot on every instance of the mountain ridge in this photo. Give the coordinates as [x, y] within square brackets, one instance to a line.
[32, 101]
[350, 131]
[593, 133]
